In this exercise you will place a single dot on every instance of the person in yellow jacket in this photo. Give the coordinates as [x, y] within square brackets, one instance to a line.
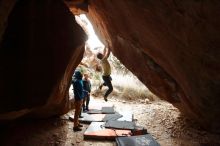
[106, 68]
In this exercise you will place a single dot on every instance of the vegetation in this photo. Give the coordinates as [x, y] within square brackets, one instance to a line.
[130, 88]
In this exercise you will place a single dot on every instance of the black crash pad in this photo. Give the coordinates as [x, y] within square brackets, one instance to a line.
[141, 140]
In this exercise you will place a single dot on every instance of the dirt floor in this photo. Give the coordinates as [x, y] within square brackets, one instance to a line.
[160, 118]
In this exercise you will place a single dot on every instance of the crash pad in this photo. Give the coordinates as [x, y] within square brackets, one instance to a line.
[108, 110]
[109, 117]
[139, 130]
[141, 140]
[96, 130]
[88, 118]
[120, 125]
[94, 111]
[127, 116]
[103, 110]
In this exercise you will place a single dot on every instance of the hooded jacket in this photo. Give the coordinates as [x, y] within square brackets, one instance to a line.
[77, 85]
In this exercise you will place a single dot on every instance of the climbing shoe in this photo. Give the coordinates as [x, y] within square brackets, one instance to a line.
[77, 128]
[80, 125]
[105, 98]
[100, 87]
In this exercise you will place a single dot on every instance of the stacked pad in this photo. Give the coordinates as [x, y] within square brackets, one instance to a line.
[106, 124]
[96, 130]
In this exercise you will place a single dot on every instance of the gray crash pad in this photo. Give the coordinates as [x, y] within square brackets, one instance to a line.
[120, 125]
[114, 117]
[88, 118]
[141, 140]
[96, 130]
[94, 111]
[103, 110]
[108, 110]
[127, 116]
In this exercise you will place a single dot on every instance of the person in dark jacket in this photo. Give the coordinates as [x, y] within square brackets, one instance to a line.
[86, 90]
[78, 95]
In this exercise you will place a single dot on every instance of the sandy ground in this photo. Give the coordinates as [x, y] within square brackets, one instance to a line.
[161, 119]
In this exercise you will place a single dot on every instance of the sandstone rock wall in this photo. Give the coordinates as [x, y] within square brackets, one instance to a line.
[172, 46]
[40, 48]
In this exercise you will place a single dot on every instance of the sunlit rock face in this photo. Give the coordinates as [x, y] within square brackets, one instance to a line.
[40, 47]
[172, 46]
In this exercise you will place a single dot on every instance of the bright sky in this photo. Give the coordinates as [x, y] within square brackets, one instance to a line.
[93, 40]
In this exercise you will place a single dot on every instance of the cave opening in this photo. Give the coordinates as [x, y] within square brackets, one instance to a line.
[126, 85]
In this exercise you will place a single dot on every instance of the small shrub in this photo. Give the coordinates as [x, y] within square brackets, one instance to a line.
[130, 88]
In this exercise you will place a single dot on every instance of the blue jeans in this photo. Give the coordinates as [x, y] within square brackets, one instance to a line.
[86, 101]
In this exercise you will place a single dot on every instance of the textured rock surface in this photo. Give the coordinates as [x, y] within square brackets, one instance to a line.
[172, 46]
[5, 8]
[41, 46]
